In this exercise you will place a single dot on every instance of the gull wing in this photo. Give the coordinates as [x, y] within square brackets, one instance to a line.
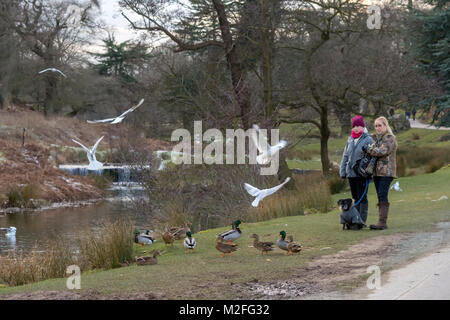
[85, 149]
[256, 140]
[104, 120]
[268, 192]
[280, 145]
[94, 148]
[56, 70]
[131, 109]
[45, 70]
[251, 190]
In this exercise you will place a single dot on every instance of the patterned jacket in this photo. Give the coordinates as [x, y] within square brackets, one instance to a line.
[385, 149]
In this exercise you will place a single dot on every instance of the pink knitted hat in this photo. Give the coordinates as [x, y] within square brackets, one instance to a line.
[358, 121]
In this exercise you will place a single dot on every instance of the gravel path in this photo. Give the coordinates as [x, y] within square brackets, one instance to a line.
[417, 124]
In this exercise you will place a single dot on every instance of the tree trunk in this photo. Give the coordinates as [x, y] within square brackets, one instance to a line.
[324, 136]
[284, 172]
[266, 45]
[50, 89]
[238, 78]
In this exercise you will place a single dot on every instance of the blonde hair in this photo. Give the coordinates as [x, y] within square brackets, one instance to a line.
[386, 123]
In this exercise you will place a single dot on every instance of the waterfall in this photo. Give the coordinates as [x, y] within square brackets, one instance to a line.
[118, 173]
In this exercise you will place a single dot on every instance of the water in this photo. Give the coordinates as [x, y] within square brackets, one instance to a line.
[34, 227]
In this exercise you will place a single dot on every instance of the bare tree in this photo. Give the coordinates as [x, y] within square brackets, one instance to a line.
[44, 28]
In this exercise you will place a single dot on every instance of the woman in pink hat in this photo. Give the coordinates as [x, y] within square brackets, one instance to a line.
[353, 151]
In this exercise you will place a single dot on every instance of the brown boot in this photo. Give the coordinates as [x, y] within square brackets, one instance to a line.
[383, 210]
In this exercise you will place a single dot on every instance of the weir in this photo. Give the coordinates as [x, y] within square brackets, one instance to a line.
[117, 173]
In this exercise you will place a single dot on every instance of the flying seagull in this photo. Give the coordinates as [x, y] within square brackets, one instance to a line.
[119, 118]
[93, 163]
[266, 150]
[261, 194]
[53, 70]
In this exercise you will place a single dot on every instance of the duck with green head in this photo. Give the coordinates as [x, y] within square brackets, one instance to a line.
[232, 234]
[189, 242]
[282, 243]
[143, 238]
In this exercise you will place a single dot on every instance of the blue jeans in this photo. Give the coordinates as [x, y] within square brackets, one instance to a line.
[382, 186]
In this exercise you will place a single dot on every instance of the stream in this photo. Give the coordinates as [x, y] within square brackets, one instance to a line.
[34, 227]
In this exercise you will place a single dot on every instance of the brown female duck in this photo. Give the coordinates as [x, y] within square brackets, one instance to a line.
[225, 247]
[260, 245]
[148, 260]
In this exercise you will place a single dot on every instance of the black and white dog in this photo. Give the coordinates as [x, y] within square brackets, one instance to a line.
[350, 217]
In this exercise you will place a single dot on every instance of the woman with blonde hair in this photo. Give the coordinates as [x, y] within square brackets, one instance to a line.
[384, 149]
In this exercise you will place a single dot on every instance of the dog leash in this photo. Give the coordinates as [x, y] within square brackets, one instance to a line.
[365, 191]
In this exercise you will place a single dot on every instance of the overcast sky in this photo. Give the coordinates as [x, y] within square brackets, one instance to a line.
[111, 15]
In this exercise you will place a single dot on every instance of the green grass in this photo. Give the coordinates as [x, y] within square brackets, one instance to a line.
[205, 274]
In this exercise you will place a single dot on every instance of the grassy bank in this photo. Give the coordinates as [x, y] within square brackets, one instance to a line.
[205, 274]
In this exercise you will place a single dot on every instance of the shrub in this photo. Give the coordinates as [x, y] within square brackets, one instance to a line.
[19, 268]
[434, 165]
[14, 197]
[335, 182]
[282, 204]
[314, 192]
[401, 166]
[416, 158]
[21, 196]
[30, 191]
[108, 248]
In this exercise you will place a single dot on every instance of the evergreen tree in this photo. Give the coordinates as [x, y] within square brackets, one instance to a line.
[121, 59]
[431, 40]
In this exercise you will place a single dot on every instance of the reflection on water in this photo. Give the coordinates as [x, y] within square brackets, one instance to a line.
[35, 227]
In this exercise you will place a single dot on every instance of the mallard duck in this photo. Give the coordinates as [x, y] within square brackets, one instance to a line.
[143, 238]
[148, 260]
[179, 233]
[189, 242]
[225, 247]
[293, 247]
[261, 246]
[282, 243]
[232, 234]
[167, 238]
